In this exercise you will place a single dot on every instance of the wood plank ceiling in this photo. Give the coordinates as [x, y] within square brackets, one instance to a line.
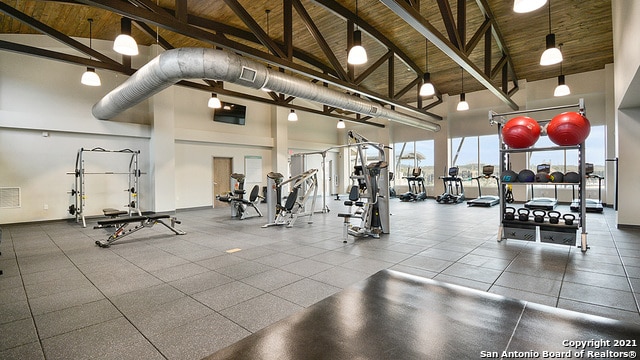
[496, 47]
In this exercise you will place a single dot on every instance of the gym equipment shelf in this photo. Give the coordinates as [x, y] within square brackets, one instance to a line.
[528, 229]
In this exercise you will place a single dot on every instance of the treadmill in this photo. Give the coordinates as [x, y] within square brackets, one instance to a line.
[486, 200]
[591, 205]
[542, 203]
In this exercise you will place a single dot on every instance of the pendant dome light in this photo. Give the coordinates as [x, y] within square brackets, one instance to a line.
[90, 77]
[427, 88]
[124, 43]
[214, 102]
[292, 116]
[341, 124]
[562, 89]
[552, 55]
[357, 53]
[525, 6]
[463, 105]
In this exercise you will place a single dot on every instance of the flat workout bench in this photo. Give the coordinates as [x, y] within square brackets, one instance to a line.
[144, 222]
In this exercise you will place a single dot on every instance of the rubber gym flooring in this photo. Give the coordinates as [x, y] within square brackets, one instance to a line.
[156, 295]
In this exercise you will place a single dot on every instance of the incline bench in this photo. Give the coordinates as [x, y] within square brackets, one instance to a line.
[121, 224]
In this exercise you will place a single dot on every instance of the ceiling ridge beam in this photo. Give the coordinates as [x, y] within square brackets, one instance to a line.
[420, 24]
[317, 36]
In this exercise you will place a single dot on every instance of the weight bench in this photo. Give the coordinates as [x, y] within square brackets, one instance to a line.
[113, 213]
[122, 223]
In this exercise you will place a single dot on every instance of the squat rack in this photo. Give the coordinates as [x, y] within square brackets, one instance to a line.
[78, 191]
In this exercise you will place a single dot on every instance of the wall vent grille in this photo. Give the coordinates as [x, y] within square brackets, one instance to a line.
[9, 197]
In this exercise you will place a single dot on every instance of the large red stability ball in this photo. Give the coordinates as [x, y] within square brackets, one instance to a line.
[521, 132]
[568, 128]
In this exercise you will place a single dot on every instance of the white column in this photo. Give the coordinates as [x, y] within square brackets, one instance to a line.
[162, 151]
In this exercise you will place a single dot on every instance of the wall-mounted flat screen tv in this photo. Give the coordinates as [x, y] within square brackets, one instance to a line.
[230, 114]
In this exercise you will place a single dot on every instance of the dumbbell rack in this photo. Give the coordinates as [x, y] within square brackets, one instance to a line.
[527, 228]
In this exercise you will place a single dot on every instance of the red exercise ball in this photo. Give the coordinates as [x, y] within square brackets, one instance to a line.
[521, 132]
[568, 129]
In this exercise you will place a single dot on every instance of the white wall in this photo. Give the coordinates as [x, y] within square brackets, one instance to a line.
[626, 53]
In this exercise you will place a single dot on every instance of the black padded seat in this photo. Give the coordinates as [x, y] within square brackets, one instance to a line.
[393, 315]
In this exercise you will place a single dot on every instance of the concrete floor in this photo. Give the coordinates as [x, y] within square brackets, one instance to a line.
[156, 295]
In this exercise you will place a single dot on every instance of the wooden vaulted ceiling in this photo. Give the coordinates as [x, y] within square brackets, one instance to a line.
[481, 41]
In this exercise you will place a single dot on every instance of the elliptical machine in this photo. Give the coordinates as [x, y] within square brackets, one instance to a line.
[417, 190]
[451, 182]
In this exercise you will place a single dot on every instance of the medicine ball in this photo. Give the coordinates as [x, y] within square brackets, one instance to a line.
[568, 128]
[526, 175]
[509, 176]
[556, 177]
[521, 132]
[542, 177]
[572, 177]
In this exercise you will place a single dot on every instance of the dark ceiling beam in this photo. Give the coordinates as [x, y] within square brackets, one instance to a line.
[462, 23]
[199, 86]
[221, 28]
[498, 67]
[317, 36]
[386, 57]
[338, 9]
[66, 58]
[479, 34]
[436, 102]
[181, 10]
[170, 23]
[449, 23]
[146, 29]
[55, 34]
[255, 28]
[497, 34]
[420, 24]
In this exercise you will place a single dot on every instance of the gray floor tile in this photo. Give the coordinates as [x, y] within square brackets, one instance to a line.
[259, 312]
[529, 283]
[199, 338]
[623, 300]
[305, 292]
[31, 351]
[17, 333]
[69, 319]
[227, 295]
[271, 279]
[306, 267]
[200, 282]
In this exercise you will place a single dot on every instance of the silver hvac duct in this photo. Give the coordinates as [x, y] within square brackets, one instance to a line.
[200, 63]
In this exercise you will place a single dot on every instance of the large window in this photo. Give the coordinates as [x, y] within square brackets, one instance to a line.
[411, 155]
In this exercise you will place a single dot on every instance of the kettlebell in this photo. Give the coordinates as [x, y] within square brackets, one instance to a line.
[523, 214]
[538, 215]
[554, 217]
[568, 219]
[509, 213]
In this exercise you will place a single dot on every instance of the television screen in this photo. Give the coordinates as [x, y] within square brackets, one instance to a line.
[230, 113]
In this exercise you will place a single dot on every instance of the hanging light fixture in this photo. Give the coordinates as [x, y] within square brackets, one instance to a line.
[214, 102]
[90, 77]
[292, 116]
[427, 88]
[124, 43]
[562, 89]
[463, 105]
[525, 6]
[341, 124]
[357, 53]
[552, 55]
